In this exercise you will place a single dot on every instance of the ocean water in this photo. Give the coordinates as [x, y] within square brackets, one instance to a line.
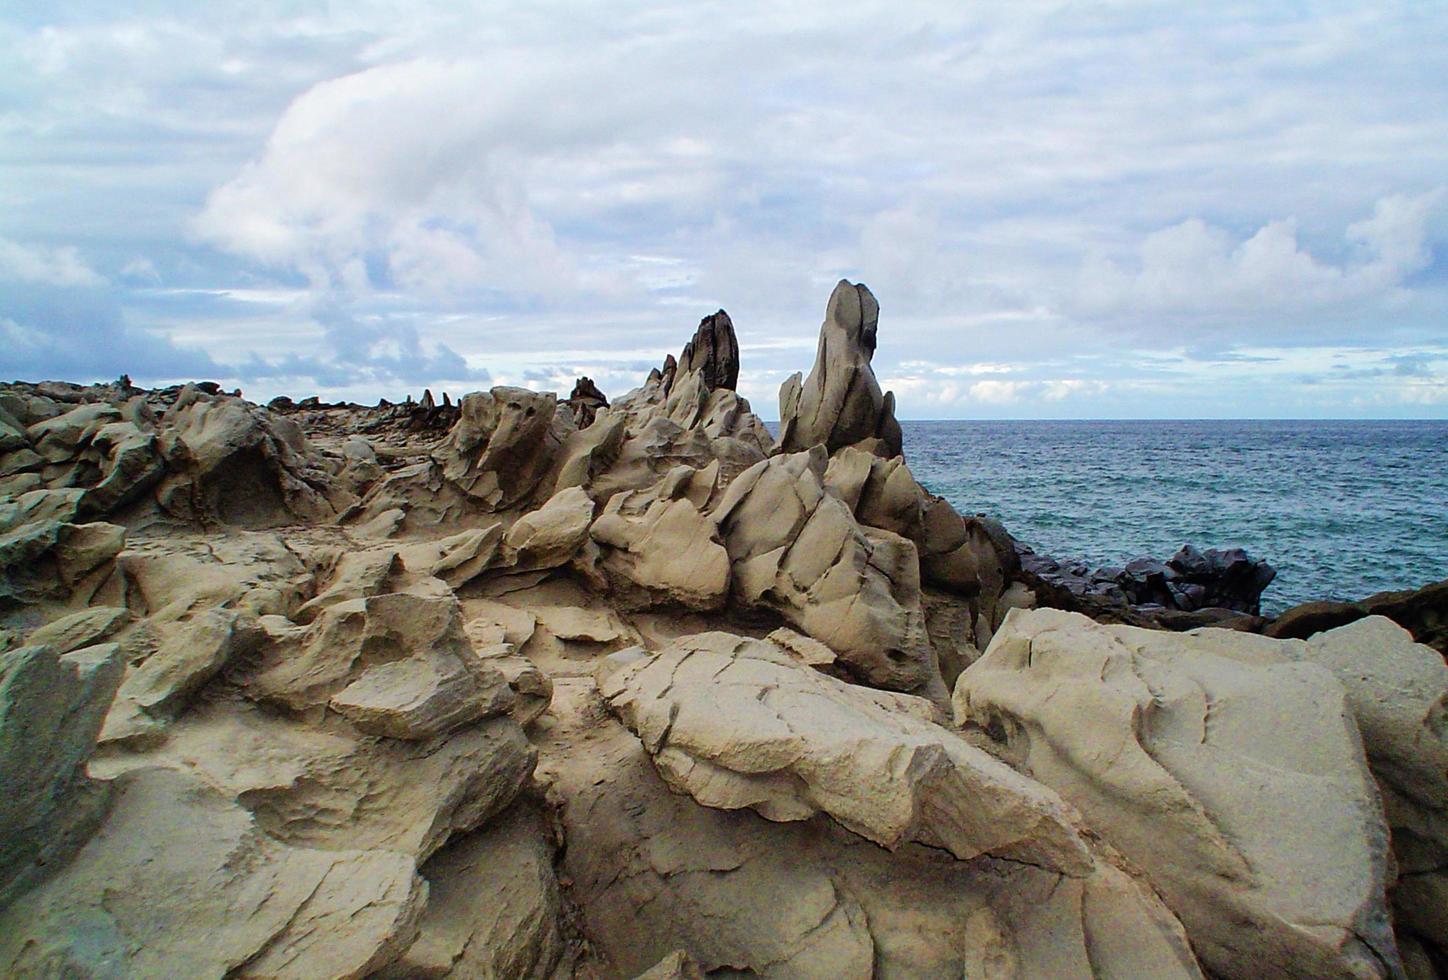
[1340, 509]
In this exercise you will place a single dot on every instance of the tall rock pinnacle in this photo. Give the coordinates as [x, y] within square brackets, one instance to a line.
[840, 403]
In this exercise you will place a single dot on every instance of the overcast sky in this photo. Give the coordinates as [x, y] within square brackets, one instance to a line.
[1064, 209]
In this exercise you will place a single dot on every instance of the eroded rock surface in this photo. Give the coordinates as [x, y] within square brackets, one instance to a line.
[840, 403]
[1235, 781]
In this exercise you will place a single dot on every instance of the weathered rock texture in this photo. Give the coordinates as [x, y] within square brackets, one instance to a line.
[840, 403]
[478, 689]
[1236, 781]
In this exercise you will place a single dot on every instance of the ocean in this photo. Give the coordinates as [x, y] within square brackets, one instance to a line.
[1340, 509]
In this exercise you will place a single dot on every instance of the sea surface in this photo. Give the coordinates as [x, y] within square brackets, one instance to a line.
[1340, 509]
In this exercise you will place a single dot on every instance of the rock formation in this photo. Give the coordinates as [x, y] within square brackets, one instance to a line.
[840, 403]
[515, 687]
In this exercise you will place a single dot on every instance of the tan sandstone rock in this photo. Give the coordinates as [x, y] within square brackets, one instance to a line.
[739, 723]
[1239, 786]
[840, 403]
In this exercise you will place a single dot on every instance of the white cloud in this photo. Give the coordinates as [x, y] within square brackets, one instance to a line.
[46, 266]
[1195, 267]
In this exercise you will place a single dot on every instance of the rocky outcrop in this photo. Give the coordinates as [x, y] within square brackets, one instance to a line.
[738, 723]
[229, 461]
[840, 403]
[652, 872]
[798, 551]
[585, 401]
[713, 353]
[52, 706]
[501, 447]
[1188, 581]
[1234, 780]
[661, 551]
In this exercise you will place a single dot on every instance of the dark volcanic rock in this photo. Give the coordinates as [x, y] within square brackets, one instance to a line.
[1189, 581]
[585, 401]
[1422, 612]
[714, 350]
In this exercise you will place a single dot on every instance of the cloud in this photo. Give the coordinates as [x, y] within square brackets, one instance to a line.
[48, 266]
[1197, 268]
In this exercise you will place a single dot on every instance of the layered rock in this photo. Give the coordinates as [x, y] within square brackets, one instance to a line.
[739, 723]
[840, 403]
[653, 872]
[1236, 781]
[501, 447]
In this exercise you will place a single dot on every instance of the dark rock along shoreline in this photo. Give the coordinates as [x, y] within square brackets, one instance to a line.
[681, 697]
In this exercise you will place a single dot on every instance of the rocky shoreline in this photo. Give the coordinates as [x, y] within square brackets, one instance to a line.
[521, 686]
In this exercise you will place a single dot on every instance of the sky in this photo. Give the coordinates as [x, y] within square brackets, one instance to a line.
[1065, 210]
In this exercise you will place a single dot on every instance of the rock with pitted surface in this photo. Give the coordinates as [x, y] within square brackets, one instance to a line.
[840, 403]
[501, 446]
[1234, 780]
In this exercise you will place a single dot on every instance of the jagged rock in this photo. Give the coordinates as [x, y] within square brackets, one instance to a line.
[467, 555]
[52, 706]
[493, 907]
[963, 555]
[532, 690]
[661, 551]
[129, 905]
[81, 629]
[551, 535]
[304, 668]
[576, 623]
[738, 723]
[585, 401]
[652, 872]
[190, 655]
[356, 575]
[231, 461]
[678, 965]
[422, 696]
[47, 559]
[1239, 786]
[713, 353]
[501, 446]
[798, 551]
[840, 403]
[513, 625]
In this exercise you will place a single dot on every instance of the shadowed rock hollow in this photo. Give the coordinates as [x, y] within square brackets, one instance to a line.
[527, 687]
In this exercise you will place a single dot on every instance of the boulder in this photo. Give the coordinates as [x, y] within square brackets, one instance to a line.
[501, 446]
[231, 461]
[356, 575]
[1235, 781]
[468, 554]
[422, 696]
[840, 403]
[585, 402]
[577, 623]
[52, 706]
[81, 629]
[660, 551]
[551, 535]
[799, 552]
[739, 723]
[1398, 692]
[1423, 612]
